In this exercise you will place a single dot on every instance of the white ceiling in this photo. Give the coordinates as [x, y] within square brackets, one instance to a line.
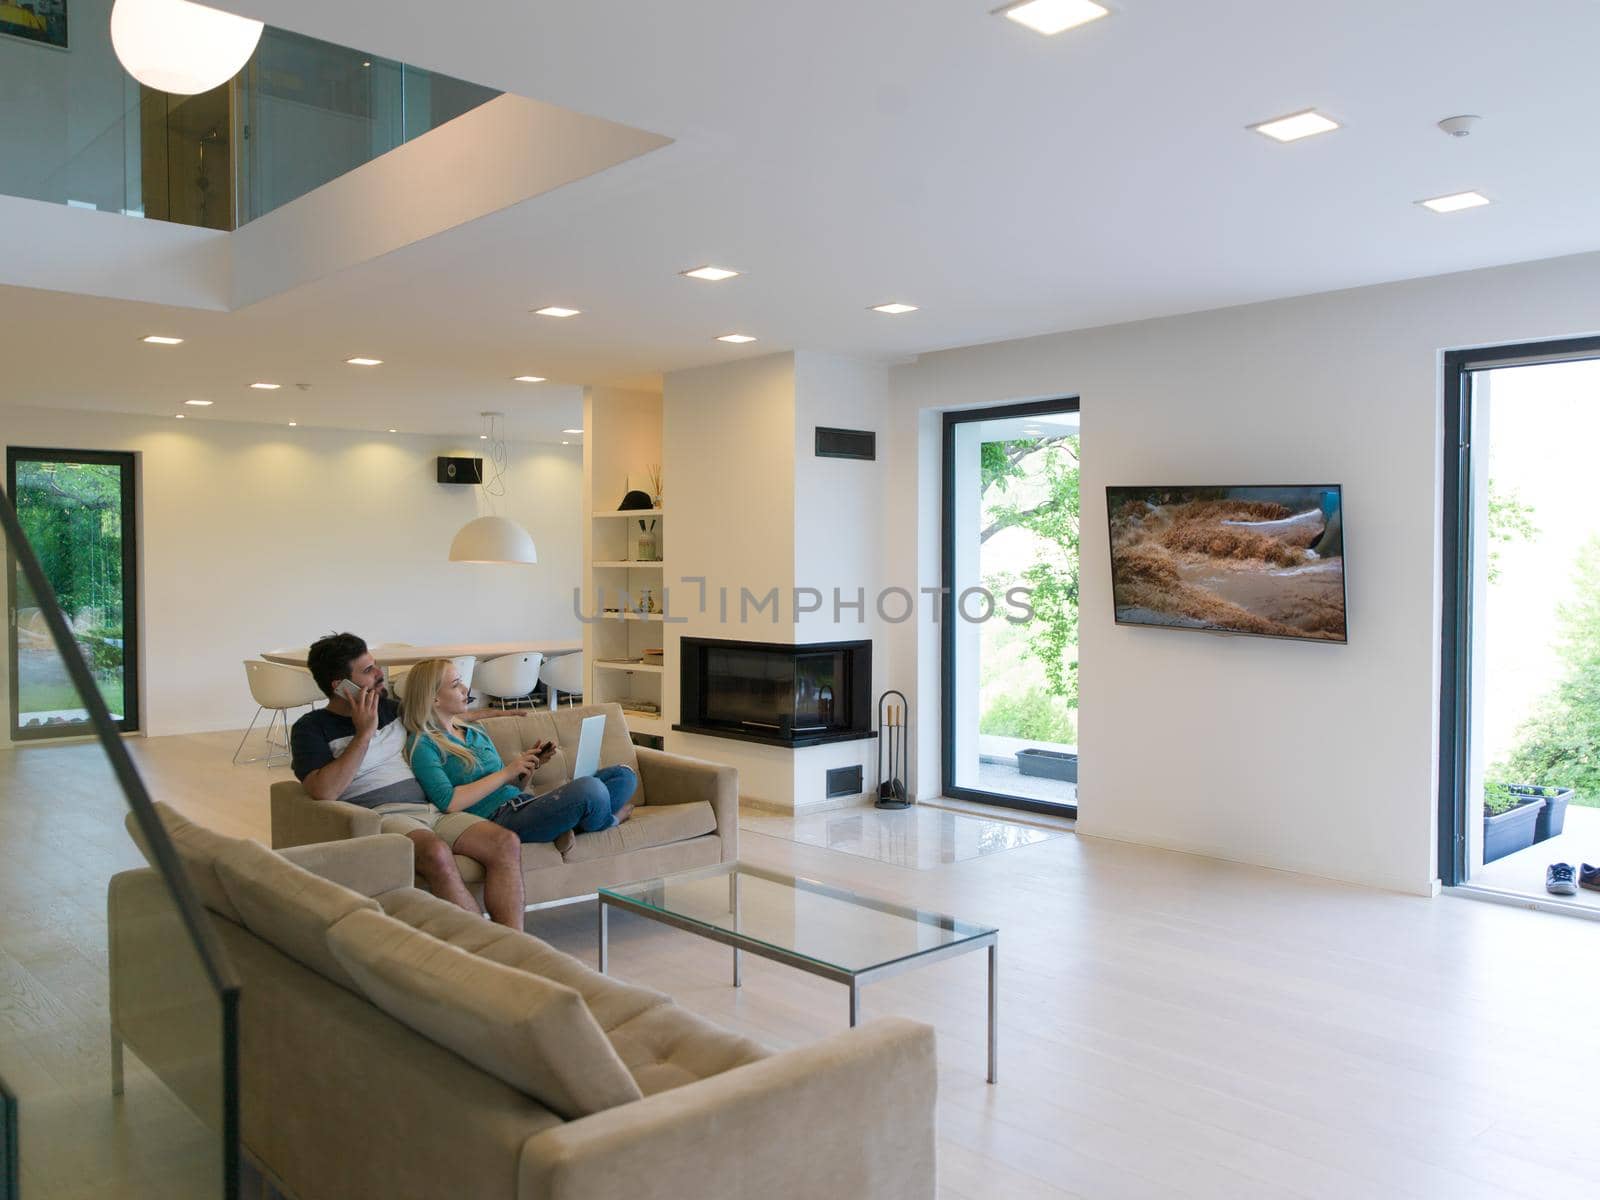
[848, 152]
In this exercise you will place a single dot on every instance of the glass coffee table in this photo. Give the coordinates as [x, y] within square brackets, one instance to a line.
[826, 930]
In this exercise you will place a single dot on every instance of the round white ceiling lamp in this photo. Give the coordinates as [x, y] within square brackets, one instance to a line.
[178, 47]
[493, 540]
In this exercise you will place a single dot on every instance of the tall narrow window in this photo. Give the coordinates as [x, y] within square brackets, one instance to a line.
[1011, 610]
[77, 509]
[1520, 774]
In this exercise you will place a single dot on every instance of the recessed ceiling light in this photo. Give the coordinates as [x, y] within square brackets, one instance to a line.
[394, 431]
[528, 379]
[266, 387]
[367, 64]
[365, 362]
[198, 403]
[738, 339]
[1296, 126]
[292, 424]
[155, 339]
[1051, 17]
[178, 415]
[566, 443]
[555, 310]
[483, 437]
[895, 309]
[572, 431]
[1455, 202]
[714, 274]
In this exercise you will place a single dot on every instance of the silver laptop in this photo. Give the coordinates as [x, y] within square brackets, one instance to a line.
[587, 760]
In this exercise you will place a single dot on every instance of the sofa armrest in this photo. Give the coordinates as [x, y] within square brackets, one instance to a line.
[677, 779]
[369, 865]
[298, 820]
[848, 1118]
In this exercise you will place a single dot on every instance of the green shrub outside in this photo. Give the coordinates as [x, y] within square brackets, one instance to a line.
[1033, 715]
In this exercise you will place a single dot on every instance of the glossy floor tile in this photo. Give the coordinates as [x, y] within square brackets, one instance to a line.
[919, 837]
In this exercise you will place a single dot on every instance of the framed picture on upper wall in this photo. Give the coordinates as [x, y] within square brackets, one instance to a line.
[37, 20]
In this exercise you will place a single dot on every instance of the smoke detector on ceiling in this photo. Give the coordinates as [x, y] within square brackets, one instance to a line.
[1459, 126]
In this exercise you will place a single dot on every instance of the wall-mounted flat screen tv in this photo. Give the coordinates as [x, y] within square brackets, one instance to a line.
[1259, 560]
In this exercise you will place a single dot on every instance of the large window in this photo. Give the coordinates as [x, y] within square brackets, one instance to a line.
[77, 510]
[1010, 620]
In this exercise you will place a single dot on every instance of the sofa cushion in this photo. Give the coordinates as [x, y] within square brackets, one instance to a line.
[289, 907]
[658, 826]
[529, 1031]
[516, 732]
[535, 856]
[198, 849]
[667, 1046]
[611, 1001]
[616, 744]
[512, 735]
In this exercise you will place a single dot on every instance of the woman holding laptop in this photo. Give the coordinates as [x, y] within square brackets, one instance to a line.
[461, 771]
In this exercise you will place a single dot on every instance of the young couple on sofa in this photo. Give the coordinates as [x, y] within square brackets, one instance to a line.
[437, 778]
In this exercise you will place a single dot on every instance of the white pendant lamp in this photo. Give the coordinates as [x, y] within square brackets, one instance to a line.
[494, 539]
[179, 47]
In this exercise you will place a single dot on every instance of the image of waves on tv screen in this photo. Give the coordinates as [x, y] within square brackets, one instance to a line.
[1255, 560]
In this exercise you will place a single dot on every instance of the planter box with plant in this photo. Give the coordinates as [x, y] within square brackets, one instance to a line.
[1048, 764]
[1553, 816]
[1510, 817]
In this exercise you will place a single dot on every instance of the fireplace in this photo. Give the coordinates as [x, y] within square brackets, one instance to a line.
[776, 693]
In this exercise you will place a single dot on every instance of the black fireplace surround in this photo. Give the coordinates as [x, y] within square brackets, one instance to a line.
[775, 693]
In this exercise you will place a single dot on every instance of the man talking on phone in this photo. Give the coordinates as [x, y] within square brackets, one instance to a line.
[352, 751]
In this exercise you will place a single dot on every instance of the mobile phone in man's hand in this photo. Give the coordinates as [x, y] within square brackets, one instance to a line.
[349, 689]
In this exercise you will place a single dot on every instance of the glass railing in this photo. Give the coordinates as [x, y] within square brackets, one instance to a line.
[311, 111]
[118, 1005]
[76, 129]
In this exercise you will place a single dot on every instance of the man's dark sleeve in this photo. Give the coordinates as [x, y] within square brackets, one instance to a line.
[308, 747]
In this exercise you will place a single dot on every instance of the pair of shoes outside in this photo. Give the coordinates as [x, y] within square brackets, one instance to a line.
[1562, 880]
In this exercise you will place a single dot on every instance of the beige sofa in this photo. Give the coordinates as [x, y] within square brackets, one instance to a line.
[687, 812]
[395, 1046]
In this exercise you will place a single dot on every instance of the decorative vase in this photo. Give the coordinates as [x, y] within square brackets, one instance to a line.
[646, 546]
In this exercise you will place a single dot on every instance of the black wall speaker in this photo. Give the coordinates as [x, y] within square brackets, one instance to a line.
[460, 470]
[846, 443]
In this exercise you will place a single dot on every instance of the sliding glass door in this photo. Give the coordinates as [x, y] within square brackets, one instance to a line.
[1520, 721]
[1010, 619]
[77, 509]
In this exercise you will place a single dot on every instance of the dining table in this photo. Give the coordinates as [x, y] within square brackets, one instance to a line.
[401, 655]
[398, 654]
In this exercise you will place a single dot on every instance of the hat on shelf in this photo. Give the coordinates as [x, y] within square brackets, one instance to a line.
[634, 499]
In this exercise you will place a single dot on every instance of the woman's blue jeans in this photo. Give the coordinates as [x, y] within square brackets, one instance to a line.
[587, 805]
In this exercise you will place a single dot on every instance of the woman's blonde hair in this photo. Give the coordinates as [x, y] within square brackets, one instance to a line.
[418, 715]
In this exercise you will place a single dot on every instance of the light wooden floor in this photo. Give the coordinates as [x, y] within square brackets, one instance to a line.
[1171, 1026]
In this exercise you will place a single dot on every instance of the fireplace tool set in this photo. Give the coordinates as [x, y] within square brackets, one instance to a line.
[892, 725]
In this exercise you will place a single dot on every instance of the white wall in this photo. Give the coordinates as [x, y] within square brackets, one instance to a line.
[753, 507]
[1307, 757]
[255, 537]
[838, 538]
[728, 469]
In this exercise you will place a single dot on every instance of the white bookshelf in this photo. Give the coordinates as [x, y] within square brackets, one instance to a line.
[622, 441]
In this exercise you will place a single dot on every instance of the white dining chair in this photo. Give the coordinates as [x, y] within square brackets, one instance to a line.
[280, 690]
[509, 680]
[563, 676]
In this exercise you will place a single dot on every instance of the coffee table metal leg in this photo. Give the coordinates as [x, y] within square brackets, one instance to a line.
[855, 1003]
[994, 954]
[604, 948]
[733, 909]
